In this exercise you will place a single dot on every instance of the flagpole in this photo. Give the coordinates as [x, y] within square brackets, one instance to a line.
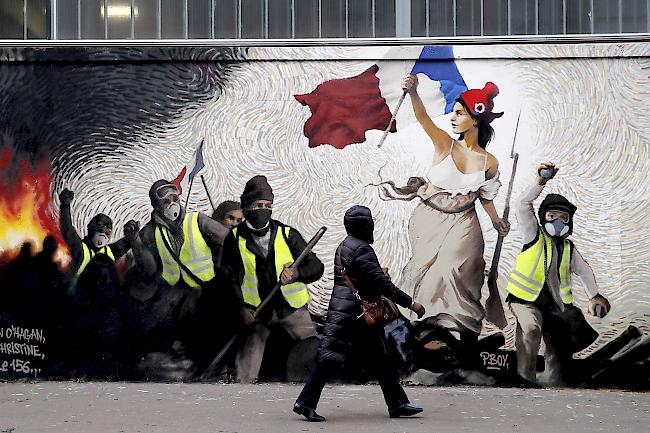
[392, 119]
[187, 200]
[208, 193]
[198, 149]
[493, 306]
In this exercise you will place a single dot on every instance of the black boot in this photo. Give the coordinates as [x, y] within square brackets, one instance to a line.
[307, 412]
[404, 410]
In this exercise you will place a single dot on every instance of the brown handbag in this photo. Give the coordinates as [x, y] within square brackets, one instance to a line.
[374, 314]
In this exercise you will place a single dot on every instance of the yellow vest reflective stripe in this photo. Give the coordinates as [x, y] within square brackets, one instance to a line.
[528, 277]
[295, 294]
[565, 274]
[195, 254]
[89, 254]
[249, 285]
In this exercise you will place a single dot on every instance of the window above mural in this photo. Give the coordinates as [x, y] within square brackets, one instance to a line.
[314, 19]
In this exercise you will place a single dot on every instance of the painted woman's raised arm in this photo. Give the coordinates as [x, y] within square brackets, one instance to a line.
[441, 140]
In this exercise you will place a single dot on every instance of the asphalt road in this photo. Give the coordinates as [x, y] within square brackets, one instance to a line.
[154, 407]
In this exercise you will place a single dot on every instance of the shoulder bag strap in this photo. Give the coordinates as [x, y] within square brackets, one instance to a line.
[345, 275]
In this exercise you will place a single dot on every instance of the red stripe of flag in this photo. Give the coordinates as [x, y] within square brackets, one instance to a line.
[343, 110]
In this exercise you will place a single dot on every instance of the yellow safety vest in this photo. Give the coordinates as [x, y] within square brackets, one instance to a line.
[195, 254]
[89, 254]
[529, 275]
[295, 294]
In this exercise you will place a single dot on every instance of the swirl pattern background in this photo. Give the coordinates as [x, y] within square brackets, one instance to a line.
[585, 114]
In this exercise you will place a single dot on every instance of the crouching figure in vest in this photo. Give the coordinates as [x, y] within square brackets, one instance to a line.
[182, 252]
[267, 248]
[96, 241]
[540, 285]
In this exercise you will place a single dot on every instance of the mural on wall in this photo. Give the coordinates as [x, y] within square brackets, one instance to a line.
[151, 200]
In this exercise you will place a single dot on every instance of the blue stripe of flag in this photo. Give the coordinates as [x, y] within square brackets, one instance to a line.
[437, 63]
[198, 163]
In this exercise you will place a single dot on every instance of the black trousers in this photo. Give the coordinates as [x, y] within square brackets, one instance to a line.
[377, 360]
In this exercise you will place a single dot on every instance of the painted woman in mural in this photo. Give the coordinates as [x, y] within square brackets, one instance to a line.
[446, 269]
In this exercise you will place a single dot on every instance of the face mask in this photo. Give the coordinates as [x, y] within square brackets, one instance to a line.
[366, 233]
[556, 228]
[100, 240]
[371, 233]
[258, 218]
[172, 211]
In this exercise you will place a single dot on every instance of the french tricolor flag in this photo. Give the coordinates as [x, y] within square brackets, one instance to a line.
[196, 166]
[343, 110]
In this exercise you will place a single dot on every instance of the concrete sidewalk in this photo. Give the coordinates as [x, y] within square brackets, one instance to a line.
[196, 408]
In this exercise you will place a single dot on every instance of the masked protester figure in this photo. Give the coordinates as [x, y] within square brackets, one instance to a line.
[97, 239]
[266, 249]
[229, 214]
[540, 289]
[187, 251]
[343, 329]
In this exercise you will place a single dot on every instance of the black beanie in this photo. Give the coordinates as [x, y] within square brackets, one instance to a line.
[257, 188]
[557, 202]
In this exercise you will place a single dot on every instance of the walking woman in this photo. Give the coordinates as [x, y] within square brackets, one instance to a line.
[343, 328]
[446, 269]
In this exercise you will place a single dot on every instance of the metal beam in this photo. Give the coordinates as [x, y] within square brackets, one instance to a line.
[239, 24]
[105, 5]
[347, 19]
[455, 6]
[482, 18]
[373, 18]
[132, 19]
[320, 18]
[266, 19]
[509, 5]
[293, 19]
[427, 18]
[24, 19]
[159, 16]
[211, 32]
[403, 18]
[186, 18]
[53, 15]
[460, 40]
[620, 16]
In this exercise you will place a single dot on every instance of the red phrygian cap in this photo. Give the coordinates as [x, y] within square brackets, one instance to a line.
[480, 102]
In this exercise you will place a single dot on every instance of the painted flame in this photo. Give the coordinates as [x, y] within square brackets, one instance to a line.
[25, 212]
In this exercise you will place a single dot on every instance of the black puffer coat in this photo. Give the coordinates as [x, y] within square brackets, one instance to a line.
[362, 265]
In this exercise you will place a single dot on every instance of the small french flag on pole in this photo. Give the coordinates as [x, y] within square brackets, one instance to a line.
[196, 166]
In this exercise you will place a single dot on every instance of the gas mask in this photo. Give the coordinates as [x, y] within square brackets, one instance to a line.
[172, 211]
[557, 228]
[557, 223]
[168, 193]
[258, 218]
[100, 240]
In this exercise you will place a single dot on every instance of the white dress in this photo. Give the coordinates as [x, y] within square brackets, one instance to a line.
[446, 269]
